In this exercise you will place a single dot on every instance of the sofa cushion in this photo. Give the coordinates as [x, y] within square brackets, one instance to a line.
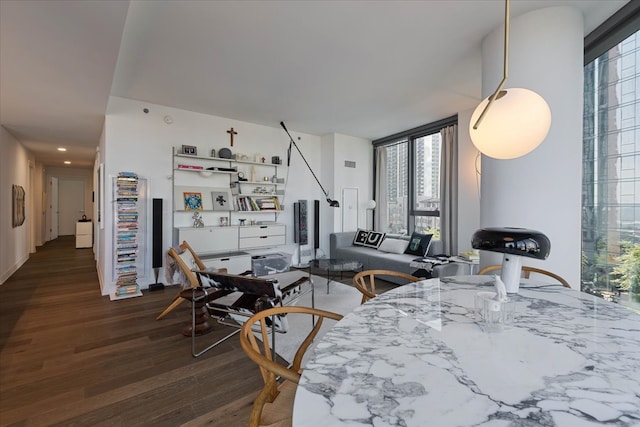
[419, 244]
[360, 238]
[394, 246]
[374, 239]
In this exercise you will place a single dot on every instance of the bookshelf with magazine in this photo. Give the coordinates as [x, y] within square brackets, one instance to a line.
[129, 231]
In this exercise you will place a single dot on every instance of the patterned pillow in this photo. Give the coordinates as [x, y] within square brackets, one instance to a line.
[419, 244]
[374, 239]
[360, 238]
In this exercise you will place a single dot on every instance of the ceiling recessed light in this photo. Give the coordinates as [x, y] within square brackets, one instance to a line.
[62, 149]
[67, 162]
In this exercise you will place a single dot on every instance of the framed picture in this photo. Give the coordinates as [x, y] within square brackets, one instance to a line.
[18, 205]
[190, 150]
[222, 200]
[192, 201]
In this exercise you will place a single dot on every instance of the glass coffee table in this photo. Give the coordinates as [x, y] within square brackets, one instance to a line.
[334, 266]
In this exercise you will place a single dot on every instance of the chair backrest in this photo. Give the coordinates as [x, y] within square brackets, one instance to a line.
[526, 272]
[365, 281]
[260, 352]
[183, 259]
[274, 369]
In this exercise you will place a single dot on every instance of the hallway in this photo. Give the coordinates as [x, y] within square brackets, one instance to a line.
[69, 356]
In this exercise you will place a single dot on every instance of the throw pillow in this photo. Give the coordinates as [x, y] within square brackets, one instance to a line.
[374, 239]
[360, 238]
[394, 246]
[419, 244]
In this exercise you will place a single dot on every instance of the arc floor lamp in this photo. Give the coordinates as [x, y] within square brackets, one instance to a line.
[332, 203]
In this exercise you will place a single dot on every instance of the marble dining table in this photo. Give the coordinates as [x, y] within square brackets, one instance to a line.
[416, 356]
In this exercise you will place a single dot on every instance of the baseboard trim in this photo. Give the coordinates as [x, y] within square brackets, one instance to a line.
[7, 274]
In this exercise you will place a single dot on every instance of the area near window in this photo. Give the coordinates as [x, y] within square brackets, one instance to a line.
[611, 166]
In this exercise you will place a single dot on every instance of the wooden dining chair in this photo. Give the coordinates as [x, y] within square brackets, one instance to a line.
[365, 281]
[526, 272]
[186, 261]
[274, 404]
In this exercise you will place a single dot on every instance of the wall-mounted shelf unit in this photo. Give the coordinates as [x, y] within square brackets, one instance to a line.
[238, 200]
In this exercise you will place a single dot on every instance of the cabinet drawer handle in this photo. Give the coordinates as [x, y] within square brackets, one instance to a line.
[225, 259]
[263, 237]
[263, 226]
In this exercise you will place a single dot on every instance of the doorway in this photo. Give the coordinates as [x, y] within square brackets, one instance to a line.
[70, 205]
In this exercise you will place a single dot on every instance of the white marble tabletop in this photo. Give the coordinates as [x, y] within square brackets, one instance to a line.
[415, 356]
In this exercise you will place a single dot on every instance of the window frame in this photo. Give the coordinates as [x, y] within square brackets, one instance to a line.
[410, 136]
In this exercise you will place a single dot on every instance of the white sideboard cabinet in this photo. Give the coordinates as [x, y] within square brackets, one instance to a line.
[234, 262]
[260, 236]
[208, 240]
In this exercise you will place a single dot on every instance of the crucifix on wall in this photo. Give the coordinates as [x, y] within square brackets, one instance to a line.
[231, 132]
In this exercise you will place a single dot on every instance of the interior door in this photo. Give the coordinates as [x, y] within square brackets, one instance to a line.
[349, 209]
[53, 194]
[70, 205]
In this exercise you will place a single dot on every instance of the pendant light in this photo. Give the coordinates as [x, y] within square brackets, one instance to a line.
[519, 119]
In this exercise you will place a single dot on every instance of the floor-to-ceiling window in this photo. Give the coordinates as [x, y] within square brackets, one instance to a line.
[611, 172]
[412, 180]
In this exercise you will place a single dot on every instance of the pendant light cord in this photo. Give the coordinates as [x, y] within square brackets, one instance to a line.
[505, 66]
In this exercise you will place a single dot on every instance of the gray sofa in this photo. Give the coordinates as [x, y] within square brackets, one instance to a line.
[341, 246]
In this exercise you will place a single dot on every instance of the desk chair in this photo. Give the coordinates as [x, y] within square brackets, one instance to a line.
[526, 270]
[274, 404]
[365, 281]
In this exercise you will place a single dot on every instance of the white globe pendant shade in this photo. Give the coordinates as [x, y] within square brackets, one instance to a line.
[515, 124]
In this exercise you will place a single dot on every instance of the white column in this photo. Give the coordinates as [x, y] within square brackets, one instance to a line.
[541, 190]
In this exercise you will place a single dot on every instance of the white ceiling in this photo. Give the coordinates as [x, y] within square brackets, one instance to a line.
[361, 68]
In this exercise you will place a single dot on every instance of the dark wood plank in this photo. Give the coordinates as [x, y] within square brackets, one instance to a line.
[71, 357]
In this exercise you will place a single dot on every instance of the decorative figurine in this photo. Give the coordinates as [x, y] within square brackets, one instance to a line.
[197, 220]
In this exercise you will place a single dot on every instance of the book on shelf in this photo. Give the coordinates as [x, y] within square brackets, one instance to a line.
[190, 167]
[257, 204]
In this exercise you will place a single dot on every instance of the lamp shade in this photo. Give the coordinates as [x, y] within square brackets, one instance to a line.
[512, 240]
[515, 124]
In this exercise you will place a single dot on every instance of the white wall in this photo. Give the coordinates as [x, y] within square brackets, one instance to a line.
[14, 169]
[541, 190]
[360, 151]
[337, 149]
[142, 143]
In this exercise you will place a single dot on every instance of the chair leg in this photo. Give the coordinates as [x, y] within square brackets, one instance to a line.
[176, 302]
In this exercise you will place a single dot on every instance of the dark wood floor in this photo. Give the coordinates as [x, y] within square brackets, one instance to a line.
[71, 357]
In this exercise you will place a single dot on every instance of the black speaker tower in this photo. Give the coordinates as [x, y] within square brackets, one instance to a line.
[316, 227]
[156, 243]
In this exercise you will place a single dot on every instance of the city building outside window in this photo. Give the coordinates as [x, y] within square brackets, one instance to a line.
[611, 174]
[412, 180]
